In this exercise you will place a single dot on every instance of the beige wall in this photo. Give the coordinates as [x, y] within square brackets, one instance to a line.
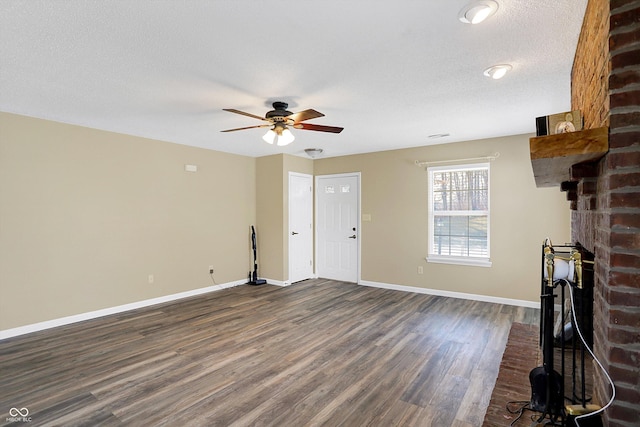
[87, 215]
[269, 216]
[394, 242]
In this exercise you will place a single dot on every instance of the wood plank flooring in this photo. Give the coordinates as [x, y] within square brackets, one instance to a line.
[317, 353]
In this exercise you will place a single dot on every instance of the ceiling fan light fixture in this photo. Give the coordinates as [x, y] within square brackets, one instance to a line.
[285, 138]
[477, 11]
[269, 137]
[497, 71]
[279, 134]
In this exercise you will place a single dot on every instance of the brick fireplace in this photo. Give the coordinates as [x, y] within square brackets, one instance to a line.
[605, 215]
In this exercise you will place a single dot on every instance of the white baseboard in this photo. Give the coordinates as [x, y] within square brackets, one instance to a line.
[21, 330]
[461, 295]
[285, 282]
[277, 282]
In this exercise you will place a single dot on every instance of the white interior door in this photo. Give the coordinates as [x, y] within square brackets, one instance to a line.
[300, 227]
[337, 226]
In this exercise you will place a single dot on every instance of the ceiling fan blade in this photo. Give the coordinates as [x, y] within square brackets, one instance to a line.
[320, 128]
[247, 127]
[233, 110]
[301, 116]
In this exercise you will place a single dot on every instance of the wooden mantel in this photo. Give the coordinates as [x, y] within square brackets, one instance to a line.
[553, 156]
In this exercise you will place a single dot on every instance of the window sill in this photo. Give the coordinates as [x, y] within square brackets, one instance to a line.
[474, 262]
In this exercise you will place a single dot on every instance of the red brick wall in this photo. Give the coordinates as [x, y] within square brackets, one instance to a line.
[590, 95]
[591, 67]
[606, 88]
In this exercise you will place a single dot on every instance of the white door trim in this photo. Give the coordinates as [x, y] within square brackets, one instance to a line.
[357, 175]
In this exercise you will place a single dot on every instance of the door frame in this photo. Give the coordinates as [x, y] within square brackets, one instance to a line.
[289, 267]
[357, 175]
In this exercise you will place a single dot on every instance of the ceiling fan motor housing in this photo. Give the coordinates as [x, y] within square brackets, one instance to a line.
[279, 112]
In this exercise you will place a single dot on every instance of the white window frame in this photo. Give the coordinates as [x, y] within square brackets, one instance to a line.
[450, 259]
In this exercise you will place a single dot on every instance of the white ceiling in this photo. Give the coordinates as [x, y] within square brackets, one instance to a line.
[390, 73]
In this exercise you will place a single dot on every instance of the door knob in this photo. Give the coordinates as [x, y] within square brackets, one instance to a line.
[352, 237]
[293, 233]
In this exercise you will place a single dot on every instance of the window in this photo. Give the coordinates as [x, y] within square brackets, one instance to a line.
[459, 214]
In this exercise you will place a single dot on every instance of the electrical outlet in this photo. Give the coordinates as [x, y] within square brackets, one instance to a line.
[211, 269]
[420, 269]
[151, 278]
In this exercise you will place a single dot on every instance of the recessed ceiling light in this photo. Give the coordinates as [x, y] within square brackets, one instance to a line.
[477, 11]
[497, 71]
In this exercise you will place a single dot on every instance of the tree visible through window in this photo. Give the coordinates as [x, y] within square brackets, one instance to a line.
[459, 213]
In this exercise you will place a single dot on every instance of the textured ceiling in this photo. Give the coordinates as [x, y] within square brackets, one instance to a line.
[390, 73]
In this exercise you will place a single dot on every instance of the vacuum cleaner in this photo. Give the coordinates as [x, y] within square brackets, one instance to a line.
[253, 276]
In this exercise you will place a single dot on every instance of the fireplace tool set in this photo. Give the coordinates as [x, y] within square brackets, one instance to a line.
[561, 397]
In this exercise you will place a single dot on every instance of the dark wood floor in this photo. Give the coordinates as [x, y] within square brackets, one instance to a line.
[318, 352]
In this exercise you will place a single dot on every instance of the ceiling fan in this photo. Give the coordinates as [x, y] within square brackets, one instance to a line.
[279, 119]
